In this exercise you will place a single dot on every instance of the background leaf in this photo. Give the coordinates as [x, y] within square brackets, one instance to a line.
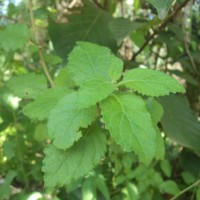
[121, 28]
[43, 104]
[179, 122]
[162, 7]
[14, 37]
[27, 86]
[91, 26]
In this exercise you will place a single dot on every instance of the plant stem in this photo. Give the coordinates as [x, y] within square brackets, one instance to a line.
[35, 32]
[186, 189]
[160, 27]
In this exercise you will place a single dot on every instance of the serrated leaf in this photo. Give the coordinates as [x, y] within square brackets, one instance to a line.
[66, 118]
[151, 82]
[90, 25]
[95, 90]
[28, 85]
[162, 7]
[179, 122]
[43, 104]
[95, 70]
[14, 37]
[129, 122]
[64, 167]
[89, 61]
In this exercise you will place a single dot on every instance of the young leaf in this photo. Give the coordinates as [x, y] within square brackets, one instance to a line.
[88, 61]
[95, 70]
[66, 118]
[43, 104]
[64, 167]
[162, 7]
[129, 122]
[28, 85]
[151, 82]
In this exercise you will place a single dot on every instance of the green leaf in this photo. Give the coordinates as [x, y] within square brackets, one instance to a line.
[64, 79]
[129, 122]
[43, 104]
[95, 90]
[162, 7]
[155, 109]
[101, 185]
[131, 191]
[28, 85]
[89, 189]
[64, 167]
[14, 37]
[156, 112]
[188, 177]
[9, 149]
[95, 70]
[121, 28]
[160, 146]
[166, 167]
[179, 121]
[40, 133]
[89, 61]
[5, 189]
[151, 82]
[66, 118]
[198, 194]
[169, 187]
[92, 186]
[91, 26]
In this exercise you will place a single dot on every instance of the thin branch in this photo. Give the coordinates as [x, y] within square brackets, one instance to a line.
[160, 27]
[186, 189]
[190, 57]
[35, 32]
[98, 4]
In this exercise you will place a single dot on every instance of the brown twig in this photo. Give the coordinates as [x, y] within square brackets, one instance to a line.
[98, 4]
[160, 27]
[35, 32]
